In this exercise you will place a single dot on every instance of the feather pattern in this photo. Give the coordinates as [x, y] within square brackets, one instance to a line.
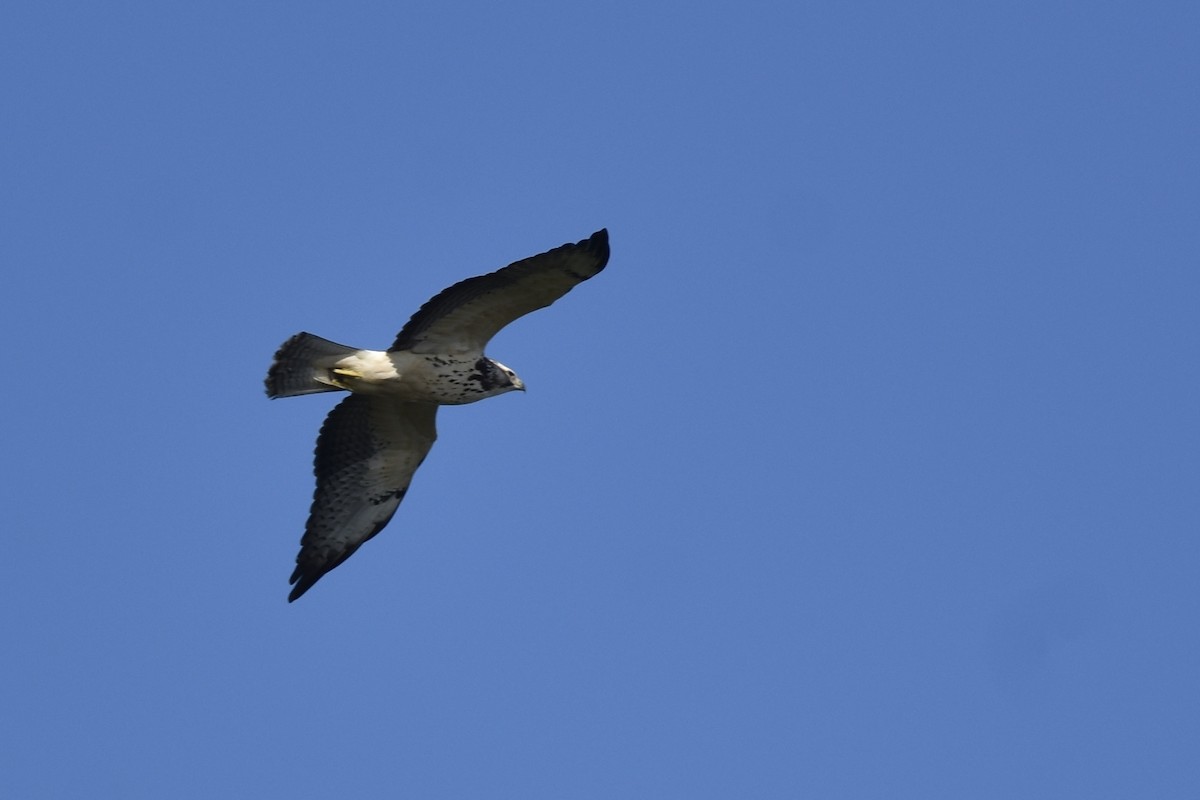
[367, 452]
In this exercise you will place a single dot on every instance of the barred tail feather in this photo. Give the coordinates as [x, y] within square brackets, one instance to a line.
[298, 363]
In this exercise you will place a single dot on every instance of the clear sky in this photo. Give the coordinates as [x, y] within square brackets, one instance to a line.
[867, 469]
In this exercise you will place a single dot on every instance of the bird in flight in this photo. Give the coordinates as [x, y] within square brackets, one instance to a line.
[374, 439]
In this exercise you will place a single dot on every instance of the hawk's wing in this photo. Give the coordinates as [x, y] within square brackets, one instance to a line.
[464, 317]
[367, 452]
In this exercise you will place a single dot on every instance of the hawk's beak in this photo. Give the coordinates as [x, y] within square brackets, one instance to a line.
[519, 384]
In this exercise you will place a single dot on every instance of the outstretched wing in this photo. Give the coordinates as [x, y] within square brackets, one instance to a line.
[367, 452]
[464, 317]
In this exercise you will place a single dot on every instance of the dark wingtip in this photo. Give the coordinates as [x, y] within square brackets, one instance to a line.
[303, 584]
[299, 589]
[598, 244]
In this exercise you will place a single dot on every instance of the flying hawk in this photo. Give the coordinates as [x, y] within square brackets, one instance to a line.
[373, 441]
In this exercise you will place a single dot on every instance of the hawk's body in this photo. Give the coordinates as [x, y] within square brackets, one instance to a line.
[374, 440]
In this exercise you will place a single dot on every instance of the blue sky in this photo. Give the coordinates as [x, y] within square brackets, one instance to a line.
[868, 468]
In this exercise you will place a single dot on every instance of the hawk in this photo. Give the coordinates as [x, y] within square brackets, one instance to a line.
[373, 440]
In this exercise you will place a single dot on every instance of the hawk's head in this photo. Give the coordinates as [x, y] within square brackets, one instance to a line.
[495, 378]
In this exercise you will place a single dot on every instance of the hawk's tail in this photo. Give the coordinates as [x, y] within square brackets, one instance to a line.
[299, 360]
